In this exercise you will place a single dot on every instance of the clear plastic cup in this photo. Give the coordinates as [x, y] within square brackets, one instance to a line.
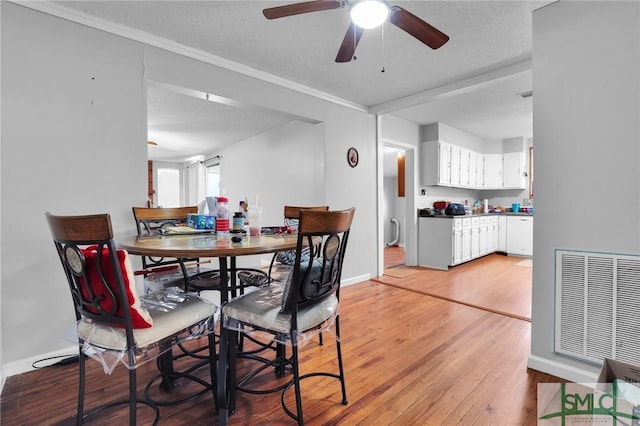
[255, 220]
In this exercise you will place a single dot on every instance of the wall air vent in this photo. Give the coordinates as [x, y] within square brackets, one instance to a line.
[598, 306]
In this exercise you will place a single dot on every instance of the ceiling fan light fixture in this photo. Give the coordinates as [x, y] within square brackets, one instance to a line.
[369, 13]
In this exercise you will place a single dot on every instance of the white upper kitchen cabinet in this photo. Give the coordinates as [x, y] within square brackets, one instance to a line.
[465, 163]
[479, 171]
[444, 163]
[473, 169]
[456, 152]
[436, 163]
[493, 171]
[513, 165]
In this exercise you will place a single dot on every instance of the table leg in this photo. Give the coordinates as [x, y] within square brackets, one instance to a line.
[223, 385]
[165, 365]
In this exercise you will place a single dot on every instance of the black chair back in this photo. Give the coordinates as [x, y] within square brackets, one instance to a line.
[90, 261]
[318, 275]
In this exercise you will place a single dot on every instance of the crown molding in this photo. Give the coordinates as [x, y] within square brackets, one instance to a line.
[181, 49]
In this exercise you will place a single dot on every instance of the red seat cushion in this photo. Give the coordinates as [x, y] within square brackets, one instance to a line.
[140, 317]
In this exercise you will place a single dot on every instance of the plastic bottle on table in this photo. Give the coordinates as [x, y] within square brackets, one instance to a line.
[222, 216]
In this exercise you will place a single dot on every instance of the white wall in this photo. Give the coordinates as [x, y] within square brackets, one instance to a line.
[444, 132]
[586, 69]
[74, 142]
[285, 166]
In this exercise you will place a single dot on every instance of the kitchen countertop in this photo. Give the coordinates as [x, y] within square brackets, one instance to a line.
[444, 216]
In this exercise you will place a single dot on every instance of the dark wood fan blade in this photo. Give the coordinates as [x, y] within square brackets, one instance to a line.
[407, 21]
[298, 8]
[349, 43]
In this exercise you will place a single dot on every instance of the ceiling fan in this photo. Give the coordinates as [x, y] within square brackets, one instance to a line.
[365, 14]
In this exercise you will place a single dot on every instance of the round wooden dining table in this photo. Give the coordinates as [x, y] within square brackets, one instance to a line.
[205, 245]
[193, 245]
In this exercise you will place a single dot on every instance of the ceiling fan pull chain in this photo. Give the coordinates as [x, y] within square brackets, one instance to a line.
[382, 47]
[355, 41]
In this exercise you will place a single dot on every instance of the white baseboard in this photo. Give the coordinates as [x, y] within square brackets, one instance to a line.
[25, 365]
[355, 280]
[563, 371]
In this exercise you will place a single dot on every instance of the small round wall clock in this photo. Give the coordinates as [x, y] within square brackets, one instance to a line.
[352, 156]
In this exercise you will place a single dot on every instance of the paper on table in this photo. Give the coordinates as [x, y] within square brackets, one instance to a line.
[185, 230]
[201, 206]
[211, 205]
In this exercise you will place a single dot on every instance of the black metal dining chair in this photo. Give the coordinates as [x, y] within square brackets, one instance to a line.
[194, 276]
[291, 313]
[291, 219]
[284, 259]
[114, 323]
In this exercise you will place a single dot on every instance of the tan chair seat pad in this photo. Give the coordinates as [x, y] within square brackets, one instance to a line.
[165, 323]
[261, 308]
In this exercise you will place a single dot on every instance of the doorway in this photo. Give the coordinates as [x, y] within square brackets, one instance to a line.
[405, 210]
[393, 205]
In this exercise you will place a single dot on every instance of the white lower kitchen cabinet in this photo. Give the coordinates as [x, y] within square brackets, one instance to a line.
[475, 237]
[502, 234]
[466, 239]
[520, 235]
[492, 233]
[457, 244]
[484, 235]
[444, 242]
[436, 242]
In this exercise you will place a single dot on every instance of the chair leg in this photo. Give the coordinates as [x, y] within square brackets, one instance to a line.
[281, 359]
[213, 366]
[222, 385]
[233, 380]
[81, 386]
[296, 382]
[225, 394]
[133, 397]
[165, 365]
[273, 259]
[185, 275]
[340, 364]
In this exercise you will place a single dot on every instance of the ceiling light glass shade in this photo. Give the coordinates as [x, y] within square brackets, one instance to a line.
[369, 13]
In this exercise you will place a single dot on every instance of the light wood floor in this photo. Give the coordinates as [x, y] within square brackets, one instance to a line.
[393, 257]
[411, 359]
[496, 283]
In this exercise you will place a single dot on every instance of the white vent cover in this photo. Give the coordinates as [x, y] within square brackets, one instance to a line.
[598, 306]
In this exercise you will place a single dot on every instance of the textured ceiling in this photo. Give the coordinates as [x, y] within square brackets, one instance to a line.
[485, 36]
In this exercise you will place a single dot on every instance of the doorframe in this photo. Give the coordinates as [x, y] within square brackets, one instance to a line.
[411, 187]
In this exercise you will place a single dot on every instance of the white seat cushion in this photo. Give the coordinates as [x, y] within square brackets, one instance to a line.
[165, 323]
[261, 309]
